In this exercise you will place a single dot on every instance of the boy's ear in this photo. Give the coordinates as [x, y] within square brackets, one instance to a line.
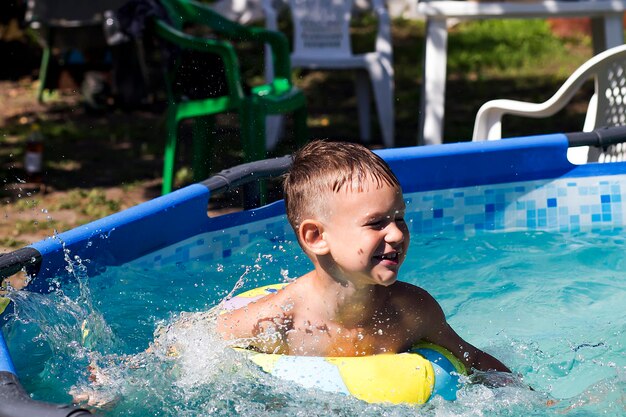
[312, 237]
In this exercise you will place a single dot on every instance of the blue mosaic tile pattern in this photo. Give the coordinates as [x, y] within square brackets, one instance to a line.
[563, 205]
[219, 244]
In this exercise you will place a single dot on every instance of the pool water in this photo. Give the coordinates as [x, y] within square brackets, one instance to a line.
[549, 305]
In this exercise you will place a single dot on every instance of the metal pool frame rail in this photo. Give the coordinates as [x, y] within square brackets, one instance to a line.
[168, 219]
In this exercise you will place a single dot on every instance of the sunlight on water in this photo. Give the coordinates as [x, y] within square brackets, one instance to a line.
[548, 305]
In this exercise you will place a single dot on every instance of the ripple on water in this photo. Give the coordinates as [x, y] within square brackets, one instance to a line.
[549, 305]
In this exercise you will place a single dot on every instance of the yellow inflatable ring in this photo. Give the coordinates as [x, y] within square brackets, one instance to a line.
[412, 377]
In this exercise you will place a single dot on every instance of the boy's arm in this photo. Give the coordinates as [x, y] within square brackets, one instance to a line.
[439, 332]
[254, 326]
[472, 357]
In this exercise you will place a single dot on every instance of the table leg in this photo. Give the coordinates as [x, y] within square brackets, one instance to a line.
[607, 31]
[432, 100]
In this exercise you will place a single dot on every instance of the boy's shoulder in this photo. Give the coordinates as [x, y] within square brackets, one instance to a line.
[409, 297]
[277, 303]
[402, 289]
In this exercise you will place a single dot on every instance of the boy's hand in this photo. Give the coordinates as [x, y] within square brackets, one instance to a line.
[496, 379]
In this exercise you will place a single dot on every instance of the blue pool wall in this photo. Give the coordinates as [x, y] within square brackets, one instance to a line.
[567, 204]
[520, 183]
[6, 365]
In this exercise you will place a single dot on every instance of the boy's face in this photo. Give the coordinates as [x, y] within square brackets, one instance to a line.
[366, 234]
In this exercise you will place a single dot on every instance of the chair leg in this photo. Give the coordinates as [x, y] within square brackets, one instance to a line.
[382, 83]
[170, 152]
[362, 84]
[45, 65]
[253, 143]
[274, 128]
[253, 133]
[203, 128]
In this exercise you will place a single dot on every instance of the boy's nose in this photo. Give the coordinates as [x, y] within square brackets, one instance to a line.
[395, 233]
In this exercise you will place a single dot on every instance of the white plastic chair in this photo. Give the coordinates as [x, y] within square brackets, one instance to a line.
[241, 11]
[607, 106]
[322, 41]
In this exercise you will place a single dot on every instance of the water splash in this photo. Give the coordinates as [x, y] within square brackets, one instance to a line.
[69, 324]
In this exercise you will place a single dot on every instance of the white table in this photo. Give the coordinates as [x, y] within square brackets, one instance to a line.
[607, 26]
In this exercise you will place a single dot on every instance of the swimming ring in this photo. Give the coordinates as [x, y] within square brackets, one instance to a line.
[415, 377]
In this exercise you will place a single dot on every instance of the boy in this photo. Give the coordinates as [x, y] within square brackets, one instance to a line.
[346, 208]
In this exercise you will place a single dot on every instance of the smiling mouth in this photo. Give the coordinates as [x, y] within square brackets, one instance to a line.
[391, 256]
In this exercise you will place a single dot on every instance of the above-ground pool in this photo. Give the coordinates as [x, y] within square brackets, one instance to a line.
[523, 250]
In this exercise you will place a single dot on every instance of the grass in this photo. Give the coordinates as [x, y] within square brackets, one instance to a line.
[92, 203]
[30, 226]
[90, 155]
[12, 243]
[510, 48]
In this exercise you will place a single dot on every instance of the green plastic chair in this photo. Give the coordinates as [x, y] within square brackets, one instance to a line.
[278, 97]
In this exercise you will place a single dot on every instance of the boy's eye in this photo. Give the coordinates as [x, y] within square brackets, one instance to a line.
[383, 222]
[376, 224]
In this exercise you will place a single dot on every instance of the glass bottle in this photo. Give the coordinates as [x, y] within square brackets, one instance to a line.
[33, 157]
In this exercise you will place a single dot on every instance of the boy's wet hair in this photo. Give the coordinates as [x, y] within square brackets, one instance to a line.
[322, 167]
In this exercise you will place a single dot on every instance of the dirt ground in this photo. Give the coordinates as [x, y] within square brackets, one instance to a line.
[89, 183]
